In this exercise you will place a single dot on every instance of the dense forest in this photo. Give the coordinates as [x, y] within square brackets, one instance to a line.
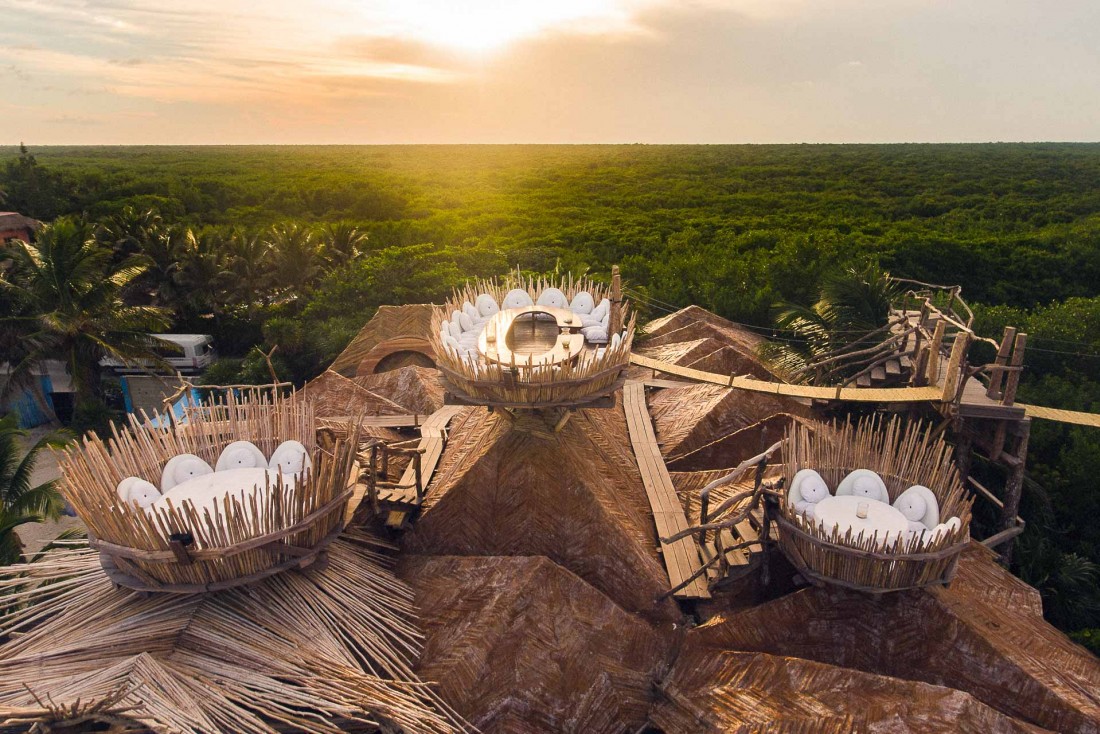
[296, 246]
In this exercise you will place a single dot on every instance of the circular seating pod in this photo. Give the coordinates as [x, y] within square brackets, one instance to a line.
[864, 545]
[534, 350]
[231, 493]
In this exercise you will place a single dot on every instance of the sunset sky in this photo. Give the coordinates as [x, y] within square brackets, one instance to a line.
[543, 71]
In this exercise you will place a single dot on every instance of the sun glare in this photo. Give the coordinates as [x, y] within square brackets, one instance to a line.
[486, 25]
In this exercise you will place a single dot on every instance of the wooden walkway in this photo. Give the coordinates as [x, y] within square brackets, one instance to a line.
[856, 394]
[433, 438]
[682, 557]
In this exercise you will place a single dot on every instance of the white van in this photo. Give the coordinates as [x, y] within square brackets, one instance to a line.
[194, 353]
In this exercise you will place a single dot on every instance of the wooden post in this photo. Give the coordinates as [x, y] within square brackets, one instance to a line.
[919, 378]
[1013, 380]
[372, 479]
[615, 321]
[952, 381]
[934, 352]
[995, 379]
[419, 479]
[1014, 487]
[964, 451]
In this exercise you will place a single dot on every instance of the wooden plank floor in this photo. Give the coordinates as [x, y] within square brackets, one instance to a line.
[682, 557]
[433, 438]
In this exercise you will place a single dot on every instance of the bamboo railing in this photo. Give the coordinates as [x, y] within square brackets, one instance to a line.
[594, 374]
[183, 549]
[902, 456]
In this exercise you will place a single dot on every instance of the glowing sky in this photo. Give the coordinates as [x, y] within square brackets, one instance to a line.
[574, 71]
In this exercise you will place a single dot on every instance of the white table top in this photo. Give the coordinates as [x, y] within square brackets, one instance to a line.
[843, 514]
[208, 490]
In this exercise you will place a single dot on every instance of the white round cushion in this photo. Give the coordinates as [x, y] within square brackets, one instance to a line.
[182, 468]
[517, 298]
[553, 297]
[487, 306]
[919, 504]
[241, 455]
[137, 491]
[863, 483]
[583, 303]
[290, 457]
[807, 486]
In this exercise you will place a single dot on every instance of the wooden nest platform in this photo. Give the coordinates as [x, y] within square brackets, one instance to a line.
[231, 540]
[537, 344]
[902, 457]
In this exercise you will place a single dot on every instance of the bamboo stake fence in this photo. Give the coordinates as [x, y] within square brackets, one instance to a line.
[594, 374]
[903, 455]
[184, 548]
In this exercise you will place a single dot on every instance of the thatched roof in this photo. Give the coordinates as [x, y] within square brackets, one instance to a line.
[575, 496]
[521, 644]
[691, 417]
[388, 322]
[984, 635]
[332, 394]
[416, 389]
[314, 651]
[704, 341]
[728, 692]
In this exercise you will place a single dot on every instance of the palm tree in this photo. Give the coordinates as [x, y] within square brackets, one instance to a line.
[249, 260]
[297, 259]
[71, 307]
[851, 305]
[343, 242]
[20, 502]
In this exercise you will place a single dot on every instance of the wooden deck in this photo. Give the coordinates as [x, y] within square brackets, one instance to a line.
[433, 438]
[682, 557]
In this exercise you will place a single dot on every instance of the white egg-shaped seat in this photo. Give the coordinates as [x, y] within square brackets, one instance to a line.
[920, 507]
[469, 309]
[864, 483]
[138, 491]
[454, 329]
[465, 322]
[181, 468]
[582, 303]
[517, 298]
[806, 490]
[553, 297]
[486, 306]
[290, 457]
[240, 455]
[451, 343]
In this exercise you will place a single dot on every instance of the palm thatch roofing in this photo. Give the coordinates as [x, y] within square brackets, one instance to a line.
[535, 576]
[695, 337]
[417, 389]
[321, 650]
[333, 395]
[518, 643]
[388, 322]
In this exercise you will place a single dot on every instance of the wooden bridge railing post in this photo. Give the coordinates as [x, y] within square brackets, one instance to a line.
[996, 376]
[419, 478]
[1014, 486]
[952, 381]
[1017, 363]
[372, 479]
[615, 320]
[934, 352]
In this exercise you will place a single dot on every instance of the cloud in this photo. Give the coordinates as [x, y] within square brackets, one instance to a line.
[535, 70]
